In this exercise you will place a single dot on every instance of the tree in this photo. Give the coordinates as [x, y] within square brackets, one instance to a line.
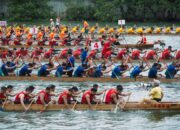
[29, 10]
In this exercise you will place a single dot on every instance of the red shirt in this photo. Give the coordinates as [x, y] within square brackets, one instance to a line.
[92, 53]
[47, 97]
[121, 53]
[106, 47]
[166, 54]
[135, 54]
[4, 54]
[17, 98]
[144, 40]
[48, 54]
[29, 42]
[36, 53]
[64, 53]
[21, 52]
[17, 41]
[77, 53]
[109, 99]
[2, 96]
[64, 93]
[150, 54]
[84, 101]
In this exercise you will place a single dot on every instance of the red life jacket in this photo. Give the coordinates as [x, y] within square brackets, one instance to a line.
[109, 99]
[92, 54]
[84, 101]
[144, 40]
[64, 93]
[17, 98]
[150, 54]
[2, 97]
[77, 53]
[47, 97]
[135, 54]
[166, 54]
[121, 54]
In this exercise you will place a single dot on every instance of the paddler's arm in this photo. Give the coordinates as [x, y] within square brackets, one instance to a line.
[114, 97]
[125, 94]
[42, 99]
[99, 93]
[88, 101]
[65, 102]
[22, 101]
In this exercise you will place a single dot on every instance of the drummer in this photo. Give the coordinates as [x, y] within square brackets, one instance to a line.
[156, 94]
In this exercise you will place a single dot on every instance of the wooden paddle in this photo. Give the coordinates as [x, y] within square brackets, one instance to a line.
[74, 106]
[4, 103]
[126, 102]
[44, 108]
[96, 106]
[29, 106]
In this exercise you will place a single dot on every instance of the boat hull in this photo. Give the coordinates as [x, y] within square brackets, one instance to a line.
[85, 79]
[100, 107]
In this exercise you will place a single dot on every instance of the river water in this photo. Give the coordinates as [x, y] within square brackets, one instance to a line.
[98, 120]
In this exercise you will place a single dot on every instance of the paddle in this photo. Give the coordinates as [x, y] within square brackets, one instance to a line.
[95, 106]
[44, 108]
[117, 104]
[74, 106]
[126, 102]
[29, 106]
[4, 103]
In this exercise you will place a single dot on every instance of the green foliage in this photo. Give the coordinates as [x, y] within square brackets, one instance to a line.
[131, 10]
[28, 10]
[80, 13]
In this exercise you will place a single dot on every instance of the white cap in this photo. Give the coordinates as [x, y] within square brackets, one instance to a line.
[156, 82]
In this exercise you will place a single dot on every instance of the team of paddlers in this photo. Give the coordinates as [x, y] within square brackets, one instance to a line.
[69, 96]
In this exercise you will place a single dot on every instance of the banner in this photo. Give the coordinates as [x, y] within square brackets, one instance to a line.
[121, 22]
[96, 45]
[3, 23]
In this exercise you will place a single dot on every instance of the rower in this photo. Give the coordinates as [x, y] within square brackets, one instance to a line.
[137, 70]
[68, 96]
[151, 54]
[22, 52]
[143, 39]
[89, 97]
[118, 71]
[84, 54]
[136, 54]
[172, 70]
[46, 69]
[61, 70]
[156, 93]
[25, 97]
[166, 54]
[44, 97]
[71, 59]
[122, 54]
[7, 68]
[9, 91]
[115, 96]
[26, 70]
[99, 71]
[80, 70]
[3, 95]
[153, 72]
